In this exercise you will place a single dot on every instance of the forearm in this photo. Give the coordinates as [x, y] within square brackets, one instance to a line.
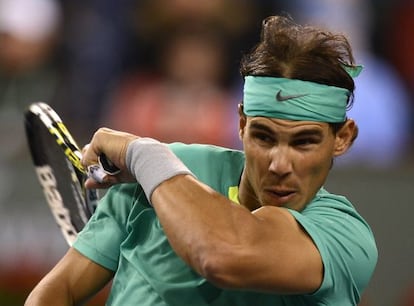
[72, 281]
[204, 227]
[46, 294]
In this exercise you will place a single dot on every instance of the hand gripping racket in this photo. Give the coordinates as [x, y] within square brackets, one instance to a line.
[57, 161]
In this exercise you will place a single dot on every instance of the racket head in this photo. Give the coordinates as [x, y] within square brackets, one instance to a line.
[57, 167]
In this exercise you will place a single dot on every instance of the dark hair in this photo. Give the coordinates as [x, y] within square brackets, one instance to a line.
[306, 53]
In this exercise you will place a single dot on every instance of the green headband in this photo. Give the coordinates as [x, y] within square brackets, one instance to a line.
[294, 99]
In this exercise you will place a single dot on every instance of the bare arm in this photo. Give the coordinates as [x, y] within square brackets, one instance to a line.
[72, 281]
[265, 250]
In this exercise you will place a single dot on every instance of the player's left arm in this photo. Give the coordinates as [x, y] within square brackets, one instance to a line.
[265, 250]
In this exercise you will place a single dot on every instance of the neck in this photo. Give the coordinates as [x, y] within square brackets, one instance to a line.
[247, 196]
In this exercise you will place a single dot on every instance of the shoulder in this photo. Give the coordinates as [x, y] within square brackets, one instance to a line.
[344, 239]
[328, 206]
[199, 156]
[218, 167]
[329, 211]
[183, 150]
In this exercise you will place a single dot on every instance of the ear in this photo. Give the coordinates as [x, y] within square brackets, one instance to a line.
[345, 137]
[242, 121]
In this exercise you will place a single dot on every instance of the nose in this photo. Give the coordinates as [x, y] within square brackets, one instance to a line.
[280, 161]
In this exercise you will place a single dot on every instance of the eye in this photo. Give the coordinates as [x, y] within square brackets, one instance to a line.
[305, 142]
[262, 137]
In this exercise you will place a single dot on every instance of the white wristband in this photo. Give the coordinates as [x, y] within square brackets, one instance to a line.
[152, 162]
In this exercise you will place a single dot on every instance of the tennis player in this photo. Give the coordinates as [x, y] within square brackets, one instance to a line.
[207, 225]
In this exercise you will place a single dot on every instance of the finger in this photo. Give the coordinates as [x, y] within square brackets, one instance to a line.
[90, 183]
[97, 146]
[89, 156]
[85, 148]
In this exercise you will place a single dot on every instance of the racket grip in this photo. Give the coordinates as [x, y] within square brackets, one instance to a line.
[97, 173]
[107, 165]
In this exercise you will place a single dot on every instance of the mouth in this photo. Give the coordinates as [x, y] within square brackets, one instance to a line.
[282, 196]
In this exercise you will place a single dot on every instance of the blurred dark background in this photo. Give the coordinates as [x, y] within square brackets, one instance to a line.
[169, 69]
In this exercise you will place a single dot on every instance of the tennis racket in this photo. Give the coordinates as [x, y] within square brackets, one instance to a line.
[57, 160]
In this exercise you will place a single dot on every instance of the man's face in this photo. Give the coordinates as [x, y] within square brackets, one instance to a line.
[286, 161]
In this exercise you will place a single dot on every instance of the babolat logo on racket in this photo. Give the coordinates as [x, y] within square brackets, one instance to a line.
[57, 159]
[54, 199]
